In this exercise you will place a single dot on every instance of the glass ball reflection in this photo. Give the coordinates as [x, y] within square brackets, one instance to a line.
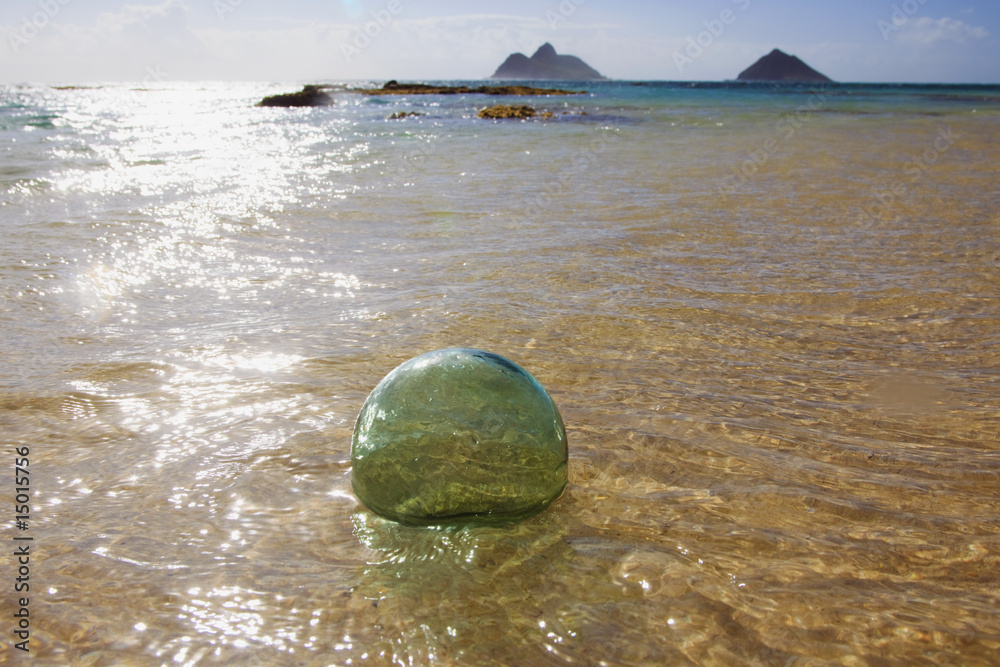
[458, 436]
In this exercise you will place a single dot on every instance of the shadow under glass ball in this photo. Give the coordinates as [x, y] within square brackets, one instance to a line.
[458, 436]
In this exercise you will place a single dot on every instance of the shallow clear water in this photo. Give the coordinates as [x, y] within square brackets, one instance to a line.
[769, 319]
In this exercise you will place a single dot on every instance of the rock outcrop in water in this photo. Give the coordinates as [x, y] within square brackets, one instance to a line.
[309, 96]
[546, 64]
[506, 111]
[779, 66]
[316, 96]
[396, 88]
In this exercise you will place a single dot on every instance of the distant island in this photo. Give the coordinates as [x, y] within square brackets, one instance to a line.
[546, 64]
[779, 66]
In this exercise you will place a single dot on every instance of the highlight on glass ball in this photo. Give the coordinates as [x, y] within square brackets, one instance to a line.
[458, 436]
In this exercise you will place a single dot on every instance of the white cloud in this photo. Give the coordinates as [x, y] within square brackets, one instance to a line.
[467, 46]
[921, 50]
[122, 45]
[926, 31]
[163, 37]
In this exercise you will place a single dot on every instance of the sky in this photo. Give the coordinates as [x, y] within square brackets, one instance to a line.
[78, 41]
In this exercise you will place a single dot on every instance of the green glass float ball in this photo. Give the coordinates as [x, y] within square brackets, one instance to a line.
[458, 436]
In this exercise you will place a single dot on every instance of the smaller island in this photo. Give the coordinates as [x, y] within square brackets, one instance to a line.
[546, 64]
[779, 66]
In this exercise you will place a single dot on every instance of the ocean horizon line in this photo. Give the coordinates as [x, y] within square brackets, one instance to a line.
[604, 82]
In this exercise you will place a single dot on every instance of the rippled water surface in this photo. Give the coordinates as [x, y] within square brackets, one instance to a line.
[770, 319]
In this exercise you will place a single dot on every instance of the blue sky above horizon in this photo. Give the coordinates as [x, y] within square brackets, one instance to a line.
[67, 41]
